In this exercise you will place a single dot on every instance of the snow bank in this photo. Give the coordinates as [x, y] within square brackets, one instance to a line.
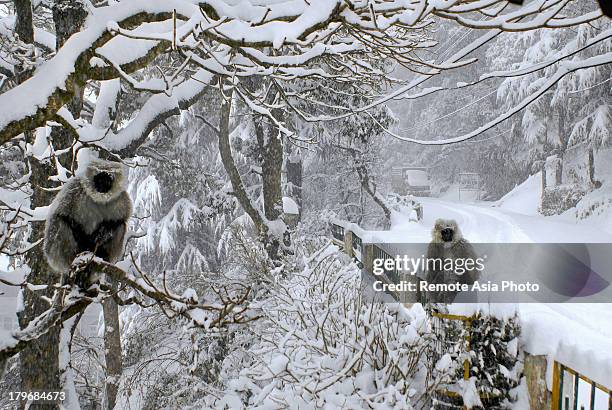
[525, 198]
[595, 208]
[577, 336]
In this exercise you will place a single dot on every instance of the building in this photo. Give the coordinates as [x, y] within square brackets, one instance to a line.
[410, 181]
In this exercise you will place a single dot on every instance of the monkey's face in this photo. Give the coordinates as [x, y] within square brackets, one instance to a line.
[103, 181]
[447, 234]
[446, 230]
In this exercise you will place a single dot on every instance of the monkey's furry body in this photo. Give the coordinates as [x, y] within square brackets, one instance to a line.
[448, 243]
[90, 213]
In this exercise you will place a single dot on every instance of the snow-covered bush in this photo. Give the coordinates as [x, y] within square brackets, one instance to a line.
[494, 358]
[490, 347]
[321, 344]
[406, 205]
[559, 199]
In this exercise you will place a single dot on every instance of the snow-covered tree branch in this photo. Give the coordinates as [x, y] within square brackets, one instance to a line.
[68, 301]
[236, 41]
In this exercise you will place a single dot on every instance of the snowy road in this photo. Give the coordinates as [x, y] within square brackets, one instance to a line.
[484, 223]
[478, 223]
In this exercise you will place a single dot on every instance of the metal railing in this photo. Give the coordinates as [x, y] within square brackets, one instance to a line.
[392, 275]
[357, 247]
[338, 233]
[575, 391]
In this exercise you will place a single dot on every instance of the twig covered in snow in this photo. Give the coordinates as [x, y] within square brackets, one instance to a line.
[231, 306]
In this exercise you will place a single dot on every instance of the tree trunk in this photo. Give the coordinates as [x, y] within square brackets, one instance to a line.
[227, 159]
[68, 17]
[23, 23]
[294, 168]
[112, 334]
[40, 361]
[371, 189]
[272, 166]
[112, 351]
[271, 148]
[24, 27]
[39, 366]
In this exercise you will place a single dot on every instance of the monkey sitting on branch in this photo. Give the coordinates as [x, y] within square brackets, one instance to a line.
[89, 214]
[448, 244]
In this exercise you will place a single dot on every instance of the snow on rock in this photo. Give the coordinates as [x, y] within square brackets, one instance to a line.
[290, 206]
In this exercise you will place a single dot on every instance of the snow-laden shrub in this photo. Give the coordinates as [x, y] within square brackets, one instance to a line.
[489, 346]
[559, 199]
[319, 341]
[494, 359]
[321, 344]
[405, 205]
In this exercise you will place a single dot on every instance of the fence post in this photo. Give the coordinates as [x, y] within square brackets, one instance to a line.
[534, 369]
[410, 298]
[348, 242]
[556, 394]
[368, 257]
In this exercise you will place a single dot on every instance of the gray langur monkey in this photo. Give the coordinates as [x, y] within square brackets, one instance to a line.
[90, 213]
[447, 242]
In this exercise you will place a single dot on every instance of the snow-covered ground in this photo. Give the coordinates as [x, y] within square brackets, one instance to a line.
[512, 219]
[577, 335]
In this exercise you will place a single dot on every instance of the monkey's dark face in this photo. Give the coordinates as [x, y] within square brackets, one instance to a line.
[446, 231]
[103, 181]
[447, 234]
